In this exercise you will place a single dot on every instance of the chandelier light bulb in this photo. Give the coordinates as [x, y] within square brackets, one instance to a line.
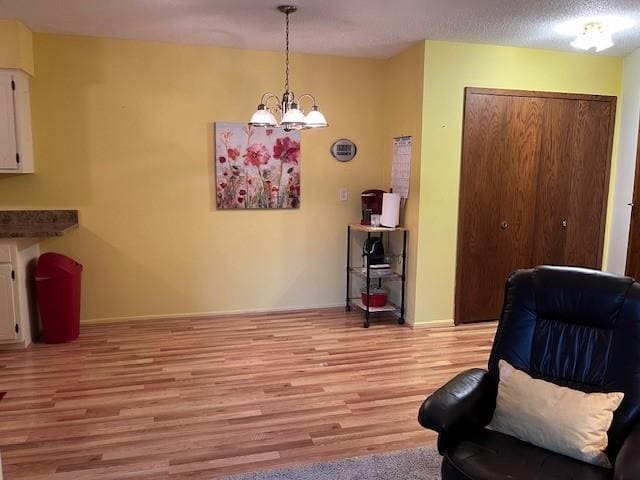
[263, 118]
[293, 118]
[315, 118]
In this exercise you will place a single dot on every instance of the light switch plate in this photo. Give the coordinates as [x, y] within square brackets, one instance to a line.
[344, 194]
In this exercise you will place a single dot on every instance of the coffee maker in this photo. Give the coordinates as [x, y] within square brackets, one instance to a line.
[371, 205]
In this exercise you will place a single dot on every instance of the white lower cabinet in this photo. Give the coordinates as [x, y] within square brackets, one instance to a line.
[8, 320]
[17, 292]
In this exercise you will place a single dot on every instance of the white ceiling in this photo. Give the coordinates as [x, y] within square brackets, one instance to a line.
[363, 28]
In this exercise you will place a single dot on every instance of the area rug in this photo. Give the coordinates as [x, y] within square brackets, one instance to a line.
[414, 464]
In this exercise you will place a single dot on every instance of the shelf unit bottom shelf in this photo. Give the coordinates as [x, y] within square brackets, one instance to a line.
[387, 308]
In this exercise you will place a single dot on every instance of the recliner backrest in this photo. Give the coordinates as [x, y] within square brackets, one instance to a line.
[578, 328]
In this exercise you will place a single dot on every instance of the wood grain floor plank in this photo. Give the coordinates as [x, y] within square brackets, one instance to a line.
[198, 398]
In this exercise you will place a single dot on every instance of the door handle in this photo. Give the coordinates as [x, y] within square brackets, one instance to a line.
[504, 225]
[564, 223]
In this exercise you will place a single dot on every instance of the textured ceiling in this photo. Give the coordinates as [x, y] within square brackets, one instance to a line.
[363, 28]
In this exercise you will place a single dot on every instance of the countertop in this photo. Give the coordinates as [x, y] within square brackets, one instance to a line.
[37, 223]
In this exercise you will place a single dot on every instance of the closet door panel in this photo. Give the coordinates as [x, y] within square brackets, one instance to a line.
[483, 147]
[555, 161]
[499, 171]
[517, 184]
[588, 184]
[633, 249]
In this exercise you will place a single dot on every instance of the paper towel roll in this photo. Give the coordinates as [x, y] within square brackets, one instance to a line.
[390, 210]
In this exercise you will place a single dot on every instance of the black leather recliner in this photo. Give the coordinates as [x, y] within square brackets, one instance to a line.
[573, 327]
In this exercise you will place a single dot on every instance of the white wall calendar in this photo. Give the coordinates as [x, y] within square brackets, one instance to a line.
[401, 168]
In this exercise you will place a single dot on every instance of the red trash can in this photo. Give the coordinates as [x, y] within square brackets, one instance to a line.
[58, 292]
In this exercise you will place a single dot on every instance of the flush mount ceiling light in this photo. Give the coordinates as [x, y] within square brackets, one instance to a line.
[593, 35]
[292, 117]
[595, 32]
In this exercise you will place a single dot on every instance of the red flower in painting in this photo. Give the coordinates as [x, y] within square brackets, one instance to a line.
[222, 159]
[242, 192]
[294, 186]
[223, 184]
[287, 150]
[269, 132]
[233, 153]
[256, 155]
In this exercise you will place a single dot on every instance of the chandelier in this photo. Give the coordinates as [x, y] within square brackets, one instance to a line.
[292, 117]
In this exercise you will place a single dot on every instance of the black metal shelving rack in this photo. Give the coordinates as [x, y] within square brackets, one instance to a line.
[364, 273]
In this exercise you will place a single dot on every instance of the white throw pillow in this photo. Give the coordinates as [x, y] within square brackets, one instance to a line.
[559, 419]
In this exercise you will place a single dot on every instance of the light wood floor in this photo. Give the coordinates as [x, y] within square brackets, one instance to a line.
[201, 398]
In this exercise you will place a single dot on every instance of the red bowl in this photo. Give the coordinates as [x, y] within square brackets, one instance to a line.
[375, 300]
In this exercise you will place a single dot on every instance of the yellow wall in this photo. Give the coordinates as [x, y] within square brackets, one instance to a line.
[123, 132]
[16, 46]
[449, 68]
[402, 115]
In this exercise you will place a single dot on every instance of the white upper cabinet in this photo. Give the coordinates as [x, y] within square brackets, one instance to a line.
[8, 141]
[16, 144]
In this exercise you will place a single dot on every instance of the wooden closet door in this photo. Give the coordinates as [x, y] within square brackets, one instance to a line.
[589, 183]
[533, 189]
[555, 156]
[498, 181]
[633, 248]
[573, 182]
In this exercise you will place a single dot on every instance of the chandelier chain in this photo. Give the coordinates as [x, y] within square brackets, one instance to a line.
[286, 77]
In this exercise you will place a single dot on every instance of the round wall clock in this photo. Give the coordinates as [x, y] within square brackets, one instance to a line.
[343, 150]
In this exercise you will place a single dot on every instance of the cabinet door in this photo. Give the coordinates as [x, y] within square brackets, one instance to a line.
[8, 146]
[7, 305]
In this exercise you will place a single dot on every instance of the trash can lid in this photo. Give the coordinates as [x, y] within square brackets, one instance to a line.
[55, 265]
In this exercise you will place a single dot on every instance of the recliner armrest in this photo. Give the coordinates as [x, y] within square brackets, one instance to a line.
[627, 466]
[465, 402]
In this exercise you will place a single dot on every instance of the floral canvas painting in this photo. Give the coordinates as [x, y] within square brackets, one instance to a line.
[256, 167]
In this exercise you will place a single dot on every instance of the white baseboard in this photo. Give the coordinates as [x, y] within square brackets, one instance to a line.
[216, 313]
[435, 323]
